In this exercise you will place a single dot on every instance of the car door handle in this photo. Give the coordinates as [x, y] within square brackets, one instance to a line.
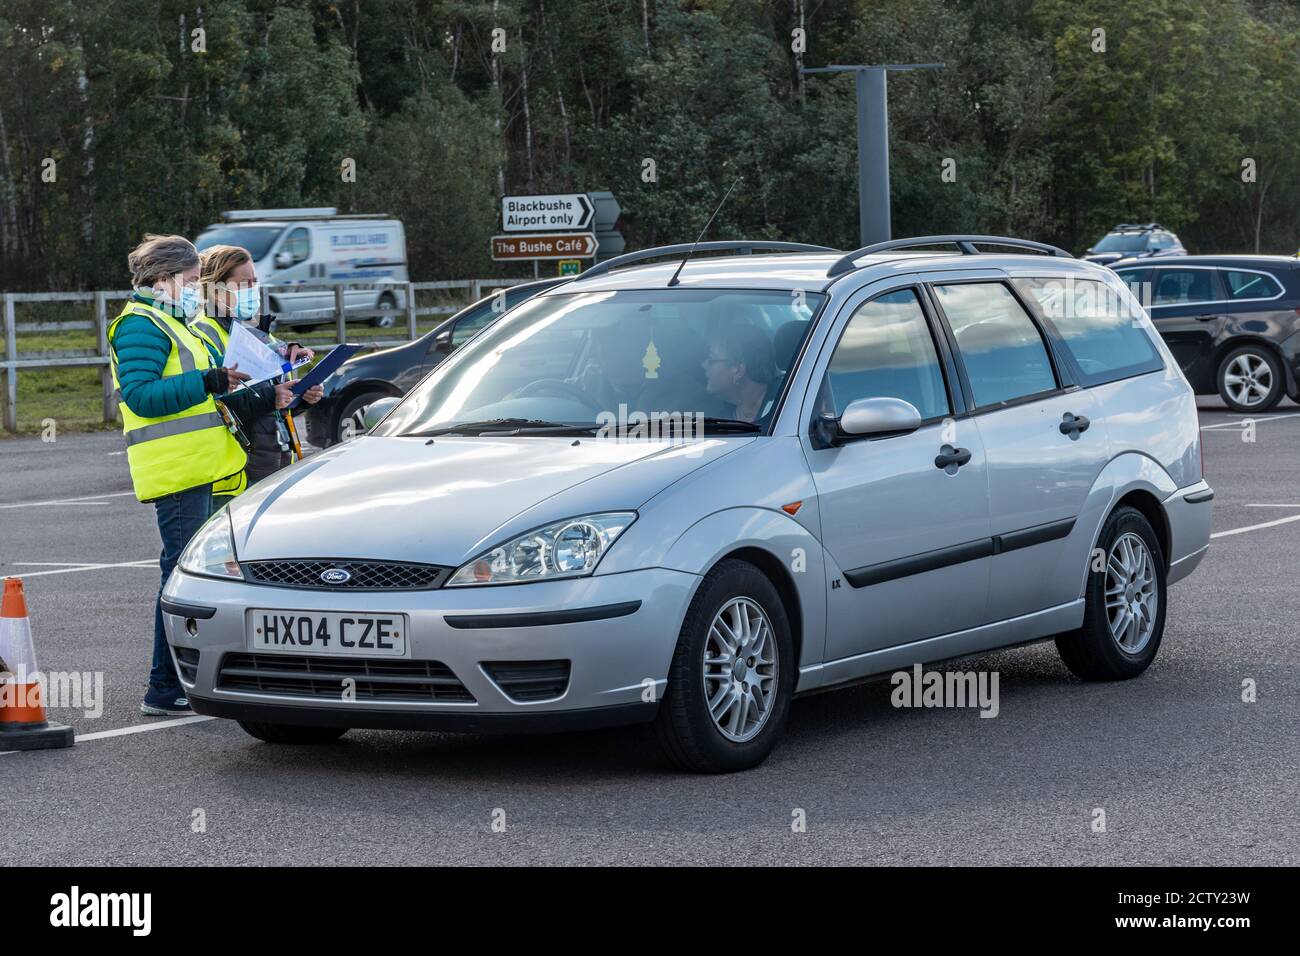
[949, 456]
[1074, 424]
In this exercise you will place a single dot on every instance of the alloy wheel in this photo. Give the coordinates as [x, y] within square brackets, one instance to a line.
[1132, 596]
[740, 669]
[1248, 379]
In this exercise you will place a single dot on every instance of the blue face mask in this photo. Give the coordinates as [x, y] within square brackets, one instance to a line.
[247, 303]
[190, 301]
[187, 308]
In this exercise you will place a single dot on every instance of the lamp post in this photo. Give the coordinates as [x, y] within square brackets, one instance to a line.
[873, 143]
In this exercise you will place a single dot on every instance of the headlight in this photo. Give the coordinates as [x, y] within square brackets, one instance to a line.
[567, 549]
[211, 552]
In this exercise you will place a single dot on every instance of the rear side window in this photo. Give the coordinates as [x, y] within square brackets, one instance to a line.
[887, 351]
[1104, 336]
[1183, 286]
[1004, 354]
[1250, 285]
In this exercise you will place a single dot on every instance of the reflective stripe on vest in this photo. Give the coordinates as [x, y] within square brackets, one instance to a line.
[216, 334]
[211, 330]
[185, 450]
[175, 426]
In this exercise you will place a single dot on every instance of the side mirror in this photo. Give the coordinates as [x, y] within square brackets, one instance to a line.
[869, 418]
[442, 343]
[283, 260]
[376, 410]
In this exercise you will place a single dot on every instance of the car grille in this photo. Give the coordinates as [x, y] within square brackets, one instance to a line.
[322, 677]
[362, 575]
[187, 662]
[524, 681]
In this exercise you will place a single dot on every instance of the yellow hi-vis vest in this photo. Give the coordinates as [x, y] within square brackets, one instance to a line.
[217, 336]
[182, 451]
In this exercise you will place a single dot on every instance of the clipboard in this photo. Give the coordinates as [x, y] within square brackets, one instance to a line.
[322, 370]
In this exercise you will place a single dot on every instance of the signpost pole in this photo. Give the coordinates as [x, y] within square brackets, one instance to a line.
[873, 144]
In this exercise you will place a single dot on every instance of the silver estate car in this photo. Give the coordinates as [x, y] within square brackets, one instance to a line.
[685, 491]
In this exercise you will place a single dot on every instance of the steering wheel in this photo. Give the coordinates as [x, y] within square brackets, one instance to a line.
[556, 388]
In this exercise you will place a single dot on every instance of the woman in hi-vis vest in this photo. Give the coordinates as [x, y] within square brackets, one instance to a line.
[231, 294]
[177, 440]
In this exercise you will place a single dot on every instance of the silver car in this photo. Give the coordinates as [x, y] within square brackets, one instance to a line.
[684, 492]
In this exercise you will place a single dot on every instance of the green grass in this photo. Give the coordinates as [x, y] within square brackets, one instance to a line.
[73, 397]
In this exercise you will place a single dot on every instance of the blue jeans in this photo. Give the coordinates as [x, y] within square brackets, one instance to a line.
[179, 517]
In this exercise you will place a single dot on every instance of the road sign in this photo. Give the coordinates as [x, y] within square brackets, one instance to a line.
[609, 240]
[570, 267]
[607, 210]
[562, 245]
[554, 213]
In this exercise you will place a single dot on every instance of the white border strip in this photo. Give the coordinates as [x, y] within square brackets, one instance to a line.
[165, 723]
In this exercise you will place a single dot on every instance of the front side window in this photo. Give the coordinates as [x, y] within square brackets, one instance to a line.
[886, 351]
[1103, 334]
[1249, 285]
[467, 327]
[577, 361]
[1183, 286]
[1004, 354]
[298, 245]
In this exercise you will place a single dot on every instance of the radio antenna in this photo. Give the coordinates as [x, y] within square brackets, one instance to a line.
[689, 252]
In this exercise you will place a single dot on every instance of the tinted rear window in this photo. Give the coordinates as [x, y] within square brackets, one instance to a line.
[1183, 286]
[1102, 333]
[1249, 285]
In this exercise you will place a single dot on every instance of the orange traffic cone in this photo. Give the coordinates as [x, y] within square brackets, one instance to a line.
[22, 714]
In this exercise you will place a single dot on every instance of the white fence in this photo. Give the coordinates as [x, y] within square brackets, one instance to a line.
[97, 357]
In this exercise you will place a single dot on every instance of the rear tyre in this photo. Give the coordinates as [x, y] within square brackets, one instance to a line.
[389, 304]
[1251, 379]
[1124, 616]
[292, 733]
[351, 421]
[732, 674]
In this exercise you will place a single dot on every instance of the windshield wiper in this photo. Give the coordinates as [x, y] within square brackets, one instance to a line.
[505, 426]
[719, 426]
[731, 425]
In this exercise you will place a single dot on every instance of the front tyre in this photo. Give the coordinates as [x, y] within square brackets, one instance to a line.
[292, 733]
[732, 674]
[352, 416]
[1124, 615]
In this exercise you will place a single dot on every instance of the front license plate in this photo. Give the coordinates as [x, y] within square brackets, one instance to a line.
[328, 632]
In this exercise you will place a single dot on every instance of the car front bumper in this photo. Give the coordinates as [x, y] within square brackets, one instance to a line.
[617, 633]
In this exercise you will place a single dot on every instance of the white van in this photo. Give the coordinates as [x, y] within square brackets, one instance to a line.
[318, 246]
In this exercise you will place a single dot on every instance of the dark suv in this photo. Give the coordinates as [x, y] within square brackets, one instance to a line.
[1131, 240]
[1232, 322]
[392, 372]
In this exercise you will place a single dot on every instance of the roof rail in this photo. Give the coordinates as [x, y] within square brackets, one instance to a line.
[965, 244]
[1140, 226]
[741, 247]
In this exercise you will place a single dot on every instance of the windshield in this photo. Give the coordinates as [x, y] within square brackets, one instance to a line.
[256, 239]
[1116, 242]
[586, 362]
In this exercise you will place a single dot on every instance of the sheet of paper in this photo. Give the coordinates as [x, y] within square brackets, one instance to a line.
[247, 353]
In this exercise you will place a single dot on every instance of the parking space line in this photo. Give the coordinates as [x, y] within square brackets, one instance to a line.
[163, 724]
[1273, 506]
[1256, 527]
[143, 563]
[1242, 421]
[87, 500]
